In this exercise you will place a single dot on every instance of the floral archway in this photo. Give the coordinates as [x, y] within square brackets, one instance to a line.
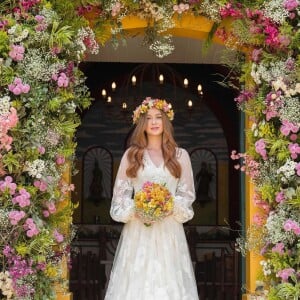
[42, 90]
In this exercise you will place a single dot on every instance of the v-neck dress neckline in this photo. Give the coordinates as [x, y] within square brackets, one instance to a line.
[152, 162]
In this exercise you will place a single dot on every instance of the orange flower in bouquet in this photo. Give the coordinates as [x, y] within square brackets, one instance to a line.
[153, 202]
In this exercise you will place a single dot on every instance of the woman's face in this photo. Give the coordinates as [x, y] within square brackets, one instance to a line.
[154, 122]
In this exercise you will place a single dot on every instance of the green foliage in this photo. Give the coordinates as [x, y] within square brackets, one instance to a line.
[60, 35]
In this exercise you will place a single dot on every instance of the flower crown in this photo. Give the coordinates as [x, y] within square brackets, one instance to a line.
[148, 103]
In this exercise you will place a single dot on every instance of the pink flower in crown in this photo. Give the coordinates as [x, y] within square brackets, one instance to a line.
[149, 103]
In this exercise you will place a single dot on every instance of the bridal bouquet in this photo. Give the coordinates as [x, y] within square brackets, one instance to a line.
[153, 202]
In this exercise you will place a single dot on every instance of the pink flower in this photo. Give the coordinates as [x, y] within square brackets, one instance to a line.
[60, 160]
[294, 150]
[285, 274]
[244, 96]
[291, 225]
[17, 87]
[293, 137]
[59, 237]
[298, 168]
[15, 216]
[41, 149]
[8, 183]
[260, 148]
[41, 185]
[280, 197]
[23, 199]
[46, 213]
[258, 219]
[290, 4]
[279, 248]
[51, 207]
[31, 228]
[288, 127]
[181, 8]
[256, 54]
[17, 52]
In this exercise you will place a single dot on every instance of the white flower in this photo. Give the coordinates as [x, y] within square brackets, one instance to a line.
[275, 10]
[35, 168]
[4, 105]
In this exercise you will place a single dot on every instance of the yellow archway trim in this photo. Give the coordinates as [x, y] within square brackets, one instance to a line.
[188, 25]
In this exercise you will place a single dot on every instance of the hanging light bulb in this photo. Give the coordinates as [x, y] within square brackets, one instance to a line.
[103, 93]
[161, 78]
[124, 105]
[113, 86]
[185, 82]
[199, 88]
[190, 104]
[108, 99]
[133, 80]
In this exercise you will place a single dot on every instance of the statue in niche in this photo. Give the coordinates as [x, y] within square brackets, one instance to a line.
[204, 178]
[96, 187]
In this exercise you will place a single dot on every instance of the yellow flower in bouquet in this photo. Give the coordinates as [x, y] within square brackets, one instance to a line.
[153, 202]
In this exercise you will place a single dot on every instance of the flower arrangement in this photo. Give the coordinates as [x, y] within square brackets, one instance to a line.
[41, 88]
[270, 98]
[153, 202]
[148, 103]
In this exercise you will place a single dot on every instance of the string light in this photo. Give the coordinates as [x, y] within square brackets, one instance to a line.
[161, 79]
[113, 86]
[133, 80]
[185, 82]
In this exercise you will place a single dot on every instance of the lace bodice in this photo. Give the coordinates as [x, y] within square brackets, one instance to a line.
[122, 206]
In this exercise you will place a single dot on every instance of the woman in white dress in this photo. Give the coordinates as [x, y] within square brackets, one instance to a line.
[153, 262]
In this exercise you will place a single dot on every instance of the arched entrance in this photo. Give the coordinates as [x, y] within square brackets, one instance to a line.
[211, 125]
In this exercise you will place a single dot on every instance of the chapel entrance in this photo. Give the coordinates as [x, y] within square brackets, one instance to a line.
[208, 129]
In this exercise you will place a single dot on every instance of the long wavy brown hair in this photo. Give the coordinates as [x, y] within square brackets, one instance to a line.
[138, 143]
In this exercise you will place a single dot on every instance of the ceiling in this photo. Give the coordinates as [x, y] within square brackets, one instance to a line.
[187, 51]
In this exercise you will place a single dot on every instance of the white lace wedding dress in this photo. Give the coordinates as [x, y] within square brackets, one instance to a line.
[153, 263]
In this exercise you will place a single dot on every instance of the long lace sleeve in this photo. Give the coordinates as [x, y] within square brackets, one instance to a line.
[122, 205]
[185, 192]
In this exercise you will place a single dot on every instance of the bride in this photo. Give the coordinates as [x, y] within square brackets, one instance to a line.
[153, 262]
